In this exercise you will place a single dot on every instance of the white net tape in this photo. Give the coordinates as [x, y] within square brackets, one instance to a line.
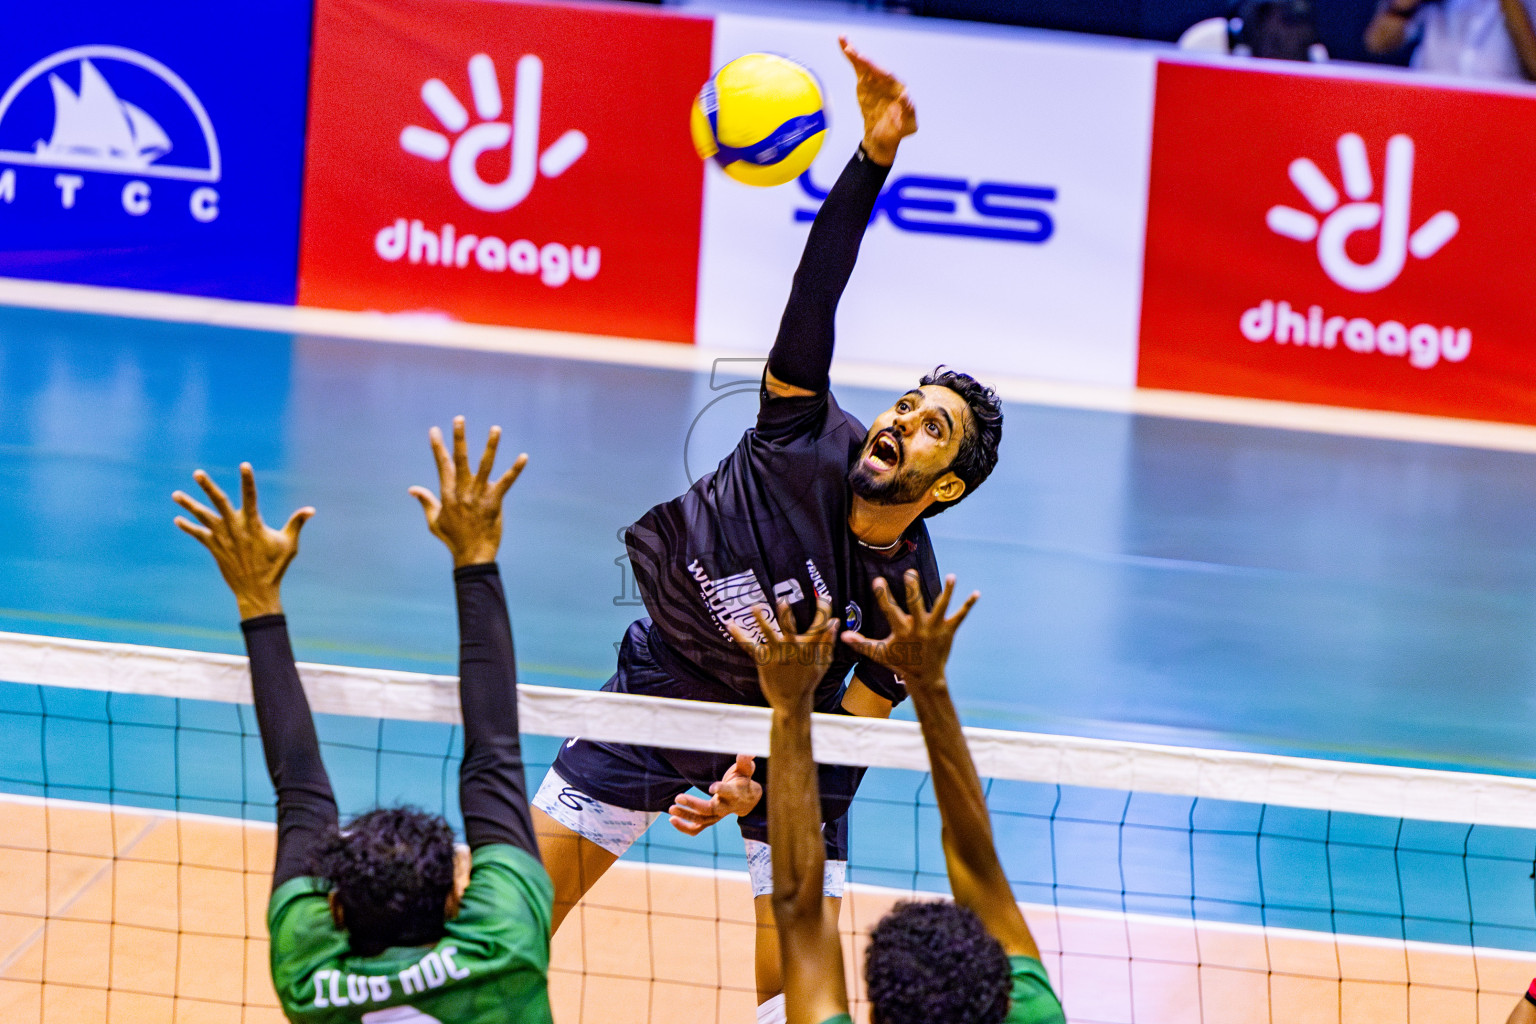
[1383, 790]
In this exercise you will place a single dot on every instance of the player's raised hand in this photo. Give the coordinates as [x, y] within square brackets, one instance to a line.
[736, 793]
[918, 647]
[251, 555]
[789, 664]
[468, 516]
[888, 113]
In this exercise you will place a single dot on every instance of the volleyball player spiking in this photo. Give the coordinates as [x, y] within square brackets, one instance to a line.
[810, 505]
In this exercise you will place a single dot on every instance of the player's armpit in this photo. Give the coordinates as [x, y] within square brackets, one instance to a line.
[861, 701]
[779, 389]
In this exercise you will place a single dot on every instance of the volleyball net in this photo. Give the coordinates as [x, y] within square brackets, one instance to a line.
[1163, 884]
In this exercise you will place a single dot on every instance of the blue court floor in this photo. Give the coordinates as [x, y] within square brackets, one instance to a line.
[1142, 578]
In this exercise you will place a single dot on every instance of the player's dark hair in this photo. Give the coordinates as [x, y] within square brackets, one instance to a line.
[934, 963]
[392, 871]
[977, 456]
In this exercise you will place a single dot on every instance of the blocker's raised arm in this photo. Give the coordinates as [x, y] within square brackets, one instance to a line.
[253, 558]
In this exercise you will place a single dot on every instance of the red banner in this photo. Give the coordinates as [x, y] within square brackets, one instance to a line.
[1340, 241]
[499, 162]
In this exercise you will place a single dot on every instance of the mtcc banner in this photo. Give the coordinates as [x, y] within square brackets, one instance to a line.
[155, 146]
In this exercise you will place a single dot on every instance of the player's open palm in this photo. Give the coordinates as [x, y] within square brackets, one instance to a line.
[889, 115]
[918, 648]
[251, 555]
[789, 663]
[467, 517]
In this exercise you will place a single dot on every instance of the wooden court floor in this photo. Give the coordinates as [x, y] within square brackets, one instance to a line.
[132, 917]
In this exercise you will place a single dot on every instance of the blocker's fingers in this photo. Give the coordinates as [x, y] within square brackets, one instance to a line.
[488, 460]
[297, 520]
[784, 615]
[888, 606]
[200, 533]
[745, 766]
[744, 641]
[915, 603]
[823, 614]
[440, 456]
[215, 494]
[510, 476]
[428, 500]
[941, 603]
[864, 646]
[460, 450]
[965, 609]
[248, 491]
[204, 514]
[766, 624]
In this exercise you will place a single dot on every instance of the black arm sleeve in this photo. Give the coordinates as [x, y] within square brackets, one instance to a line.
[306, 809]
[802, 353]
[493, 791]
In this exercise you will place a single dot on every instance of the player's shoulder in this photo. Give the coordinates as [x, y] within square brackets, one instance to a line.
[1032, 1000]
[510, 894]
[816, 416]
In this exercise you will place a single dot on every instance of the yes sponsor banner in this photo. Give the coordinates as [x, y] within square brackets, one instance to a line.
[513, 163]
[1331, 239]
[1008, 238]
[154, 146]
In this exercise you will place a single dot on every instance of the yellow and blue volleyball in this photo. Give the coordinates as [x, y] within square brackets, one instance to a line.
[761, 118]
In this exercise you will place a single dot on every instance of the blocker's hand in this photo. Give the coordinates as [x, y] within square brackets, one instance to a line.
[789, 664]
[468, 518]
[918, 648]
[736, 793]
[251, 555]
[888, 113]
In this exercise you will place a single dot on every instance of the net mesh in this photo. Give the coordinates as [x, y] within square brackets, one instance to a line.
[1163, 885]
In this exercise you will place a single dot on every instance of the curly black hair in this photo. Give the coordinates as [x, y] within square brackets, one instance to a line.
[392, 872]
[977, 456]
[934, 963]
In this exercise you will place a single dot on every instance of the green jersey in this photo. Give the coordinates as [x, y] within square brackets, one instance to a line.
[1031, 1002]
[492, 966]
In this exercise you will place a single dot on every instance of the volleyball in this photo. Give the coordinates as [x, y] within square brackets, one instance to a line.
[761, 118]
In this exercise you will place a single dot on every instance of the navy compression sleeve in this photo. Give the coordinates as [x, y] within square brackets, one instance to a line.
[306, 808]
[802, 353]
[493, 791]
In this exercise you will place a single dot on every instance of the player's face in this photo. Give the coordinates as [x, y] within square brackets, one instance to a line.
[910, 447]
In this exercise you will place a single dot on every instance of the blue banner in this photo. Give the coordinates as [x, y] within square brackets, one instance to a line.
[156, 145]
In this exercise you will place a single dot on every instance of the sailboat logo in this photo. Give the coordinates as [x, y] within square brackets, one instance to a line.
[96, 130]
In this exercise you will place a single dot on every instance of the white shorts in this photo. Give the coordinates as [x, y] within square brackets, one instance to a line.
[834, 873]
[615, 829]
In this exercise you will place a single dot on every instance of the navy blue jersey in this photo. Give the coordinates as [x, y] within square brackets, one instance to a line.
[771, 522]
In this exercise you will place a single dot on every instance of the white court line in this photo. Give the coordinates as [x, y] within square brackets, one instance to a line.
[1389, 791]
[429, 330]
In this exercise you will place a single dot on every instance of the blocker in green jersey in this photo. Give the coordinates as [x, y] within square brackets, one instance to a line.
[368, 921]
[971, 961]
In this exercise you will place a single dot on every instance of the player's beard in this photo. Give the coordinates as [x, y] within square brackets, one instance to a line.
[899, 488]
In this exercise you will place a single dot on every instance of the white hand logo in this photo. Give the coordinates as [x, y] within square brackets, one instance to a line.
[491, 134]
[1392, 214]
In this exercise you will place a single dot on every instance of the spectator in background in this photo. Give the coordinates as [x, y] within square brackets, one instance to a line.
[1275, 29]
[1475, 38]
